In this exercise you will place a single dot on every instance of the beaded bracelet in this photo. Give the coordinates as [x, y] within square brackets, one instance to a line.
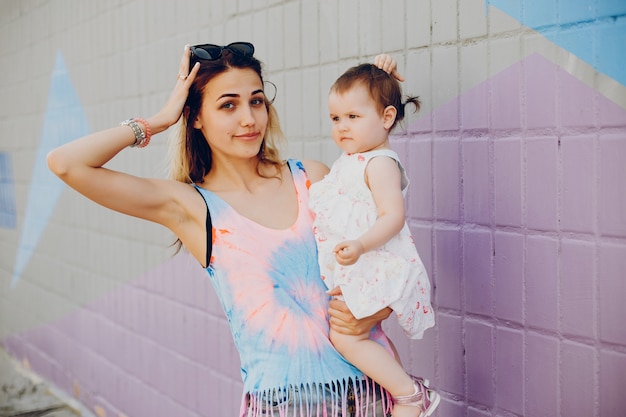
[140, 136]
[147, 132]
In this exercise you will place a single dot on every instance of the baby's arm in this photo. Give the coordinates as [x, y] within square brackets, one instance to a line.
[383, 178]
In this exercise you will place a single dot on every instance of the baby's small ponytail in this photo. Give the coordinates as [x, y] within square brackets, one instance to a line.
[414, 100]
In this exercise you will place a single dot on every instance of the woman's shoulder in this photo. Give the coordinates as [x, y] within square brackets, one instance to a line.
[315, 170]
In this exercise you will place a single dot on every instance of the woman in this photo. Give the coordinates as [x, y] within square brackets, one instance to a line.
[242, 212]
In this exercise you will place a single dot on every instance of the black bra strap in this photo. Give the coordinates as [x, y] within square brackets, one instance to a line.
[209, 230]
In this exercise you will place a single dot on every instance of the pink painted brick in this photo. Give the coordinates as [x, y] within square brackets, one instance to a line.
[508, 182]
[541, 183]
[541, 282]
[419, 166]
[578, 162]
[541, 376]
[577, 375]
[612, 270]
[447, 272]
[540, 77]
[509, 370]
[479, 363]
[576, 288]
[508, 276]
[477, 272]
[476, 193]
[612, 192]
[446, 179]
[451, 357]
[612, 381]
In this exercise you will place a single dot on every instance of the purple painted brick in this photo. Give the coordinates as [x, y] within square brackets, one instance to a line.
[610, 114]
[505, 99]
[576, 377]
[541, 282]
[578, 161]
[541, 375]
[508, 276]
[612, 270]
[447, 272]
[446, 179]
[612, 192]
[575, 101]
[508, 182]
[576, 288]
[612, 383]
[474, 108]
[180, 372]
[450, 408]
[477, 273]
[541, 92]
[541, 183]
[509, 370]
[477, 412]
[422, 237]
[446, 118]
[476, 193]
[451, 356]
[421, 354]
[206, 396]
[423, 124]
[479, 363]
[419, 167]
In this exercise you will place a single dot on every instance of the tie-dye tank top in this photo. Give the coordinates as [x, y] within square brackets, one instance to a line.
[268, 282]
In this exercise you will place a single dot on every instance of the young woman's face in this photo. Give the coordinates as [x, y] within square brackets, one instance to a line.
[233, 116]
[357, 124]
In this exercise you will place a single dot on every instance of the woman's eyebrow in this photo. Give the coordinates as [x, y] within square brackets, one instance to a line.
[235, 95]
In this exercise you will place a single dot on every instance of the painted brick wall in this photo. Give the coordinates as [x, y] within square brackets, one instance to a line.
[517, 201]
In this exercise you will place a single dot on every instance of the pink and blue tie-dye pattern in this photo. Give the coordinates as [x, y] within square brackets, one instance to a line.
[269, 284]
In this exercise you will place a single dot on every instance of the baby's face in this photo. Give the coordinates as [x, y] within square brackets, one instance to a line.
[357, 124]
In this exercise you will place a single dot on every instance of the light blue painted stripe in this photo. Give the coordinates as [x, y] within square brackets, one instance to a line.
[8, 213]
[64, 120]
[593, 30]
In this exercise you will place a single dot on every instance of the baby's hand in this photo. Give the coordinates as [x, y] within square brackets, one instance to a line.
[348, 252]
[389, 65]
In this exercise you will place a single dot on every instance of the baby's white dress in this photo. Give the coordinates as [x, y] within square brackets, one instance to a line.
[392, 275]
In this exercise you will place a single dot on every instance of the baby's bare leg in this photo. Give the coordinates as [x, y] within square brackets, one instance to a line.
[377, 363]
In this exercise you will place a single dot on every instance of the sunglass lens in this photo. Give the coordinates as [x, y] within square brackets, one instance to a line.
[209, 52]
[242, 48]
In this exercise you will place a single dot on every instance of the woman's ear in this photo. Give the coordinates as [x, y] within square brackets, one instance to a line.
[389, 116]
[196, 121]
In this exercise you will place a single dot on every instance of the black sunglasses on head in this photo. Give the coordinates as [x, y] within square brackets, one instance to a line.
[210, 52]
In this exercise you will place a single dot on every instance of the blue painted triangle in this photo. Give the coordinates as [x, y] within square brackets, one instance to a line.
[594, 31]
[64, 121]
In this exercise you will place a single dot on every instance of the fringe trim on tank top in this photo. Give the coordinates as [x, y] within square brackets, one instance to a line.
[337, 399]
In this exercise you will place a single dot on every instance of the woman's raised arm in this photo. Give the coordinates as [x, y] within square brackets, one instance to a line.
[80, 163]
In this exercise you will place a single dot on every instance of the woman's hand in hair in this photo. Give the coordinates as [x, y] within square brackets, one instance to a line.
[173, 108]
